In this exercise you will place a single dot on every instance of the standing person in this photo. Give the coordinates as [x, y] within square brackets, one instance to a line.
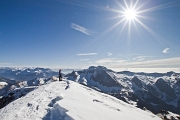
[60, 76]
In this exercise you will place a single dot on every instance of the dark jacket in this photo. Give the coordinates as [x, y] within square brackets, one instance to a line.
[60, 76]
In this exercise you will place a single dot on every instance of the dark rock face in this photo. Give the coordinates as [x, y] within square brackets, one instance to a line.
[13, 95]
[153, 91]
[137, 81]
[178, 82]
[104, 78]
[164, 87]
[179, 103]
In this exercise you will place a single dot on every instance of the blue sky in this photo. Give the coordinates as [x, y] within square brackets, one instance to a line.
[81, 33]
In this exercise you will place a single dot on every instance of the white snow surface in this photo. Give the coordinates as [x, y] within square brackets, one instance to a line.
[68, 100]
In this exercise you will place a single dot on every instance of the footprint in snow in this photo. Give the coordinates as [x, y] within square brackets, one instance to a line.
[94, 100]
[29, 104]
[33, 106]
[67, 85]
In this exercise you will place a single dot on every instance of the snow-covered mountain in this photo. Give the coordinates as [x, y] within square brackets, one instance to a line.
[5, 85]
[155, 91]
[25, 74]
[68, 100]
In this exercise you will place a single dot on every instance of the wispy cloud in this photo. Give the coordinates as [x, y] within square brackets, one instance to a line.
[84, 59]
[160, 63]
[109, 54]
[80, 28]
[170, 62]
[166, 50]
[134, 55]
[141, 58]
[85, 54]
[109, 60]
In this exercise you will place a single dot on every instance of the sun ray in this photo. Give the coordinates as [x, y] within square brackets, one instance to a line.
[167, 5]
[151, 32]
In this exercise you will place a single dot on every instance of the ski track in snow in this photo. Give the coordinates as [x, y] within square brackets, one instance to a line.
[67, 100]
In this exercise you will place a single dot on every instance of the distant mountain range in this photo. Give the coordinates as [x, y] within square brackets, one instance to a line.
[154, 91]
[25, 74]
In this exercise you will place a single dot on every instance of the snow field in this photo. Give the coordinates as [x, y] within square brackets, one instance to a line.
[68, 100]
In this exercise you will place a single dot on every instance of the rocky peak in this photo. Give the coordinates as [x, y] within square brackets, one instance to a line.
[137, 81]
[164, 87]
[102, 75]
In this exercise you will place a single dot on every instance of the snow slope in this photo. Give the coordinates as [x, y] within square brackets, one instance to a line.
[68, 100]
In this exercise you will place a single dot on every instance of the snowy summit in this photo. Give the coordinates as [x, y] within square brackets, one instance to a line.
[68, 100]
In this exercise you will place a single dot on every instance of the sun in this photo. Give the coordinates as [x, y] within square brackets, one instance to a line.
[130, 14]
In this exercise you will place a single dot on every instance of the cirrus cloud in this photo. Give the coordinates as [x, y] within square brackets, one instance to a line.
[109, 60]
[80, 28]
[166, 50]
[159, 63]
[86, 54]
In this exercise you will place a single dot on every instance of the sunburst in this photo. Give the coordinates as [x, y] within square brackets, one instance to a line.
[130, 14]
